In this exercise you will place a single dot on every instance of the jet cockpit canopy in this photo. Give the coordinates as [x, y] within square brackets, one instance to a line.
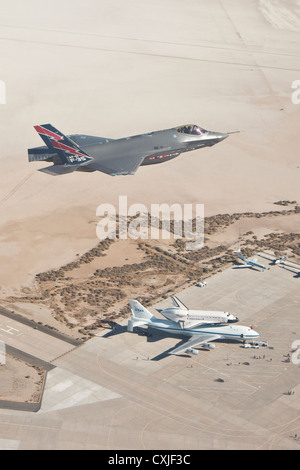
[191, 129]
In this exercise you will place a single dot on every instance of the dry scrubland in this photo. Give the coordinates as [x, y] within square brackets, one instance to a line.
[93, 290]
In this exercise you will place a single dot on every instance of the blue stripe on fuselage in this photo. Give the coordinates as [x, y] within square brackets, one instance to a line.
[217, 330]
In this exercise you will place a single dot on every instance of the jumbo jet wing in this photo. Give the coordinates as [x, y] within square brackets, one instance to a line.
[243, 266]
[194, 341]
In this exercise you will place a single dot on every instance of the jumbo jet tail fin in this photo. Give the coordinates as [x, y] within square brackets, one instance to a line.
[69, 153]
[140, 315]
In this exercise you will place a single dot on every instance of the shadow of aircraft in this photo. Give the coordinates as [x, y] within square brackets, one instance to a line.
[116, 329]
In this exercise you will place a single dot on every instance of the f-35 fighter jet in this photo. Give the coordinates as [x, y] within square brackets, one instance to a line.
[117, 156]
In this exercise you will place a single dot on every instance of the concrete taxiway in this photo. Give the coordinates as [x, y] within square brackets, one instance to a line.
[119, 391]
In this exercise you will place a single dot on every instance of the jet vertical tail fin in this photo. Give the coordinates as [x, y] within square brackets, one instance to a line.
[68, 151]
[140, 315]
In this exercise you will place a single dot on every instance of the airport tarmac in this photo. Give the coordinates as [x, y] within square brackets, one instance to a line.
[120, 391]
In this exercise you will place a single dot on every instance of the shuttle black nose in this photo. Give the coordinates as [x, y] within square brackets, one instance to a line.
[233, 320]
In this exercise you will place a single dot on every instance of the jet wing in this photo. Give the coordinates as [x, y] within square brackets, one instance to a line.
[194, 341]
[83, 140]
[120, 165]
[243, 266]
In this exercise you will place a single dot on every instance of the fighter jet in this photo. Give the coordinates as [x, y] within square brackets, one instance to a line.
[185, 318]
[196, 336]
[120, 156]
[250, 263]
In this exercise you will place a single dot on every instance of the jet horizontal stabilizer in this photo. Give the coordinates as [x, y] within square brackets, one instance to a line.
[56, 170]
[40, 154]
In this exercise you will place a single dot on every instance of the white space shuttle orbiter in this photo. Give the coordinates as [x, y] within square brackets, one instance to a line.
[179, 313]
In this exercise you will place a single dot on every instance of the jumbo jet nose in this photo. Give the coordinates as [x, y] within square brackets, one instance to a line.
[254, 333]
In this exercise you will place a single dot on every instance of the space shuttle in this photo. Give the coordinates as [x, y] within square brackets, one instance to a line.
[179, 313]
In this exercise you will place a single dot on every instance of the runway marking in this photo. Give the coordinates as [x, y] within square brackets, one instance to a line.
[278, 434]
[217, 390]
[4, 423]
[10, 330]
[215, 370]
[150, 392]
[211, 425]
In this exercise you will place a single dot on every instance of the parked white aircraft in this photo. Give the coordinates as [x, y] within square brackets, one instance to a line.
[250, 263]
[185, 317]
[196, 336]
[287, 265]
[280, 260]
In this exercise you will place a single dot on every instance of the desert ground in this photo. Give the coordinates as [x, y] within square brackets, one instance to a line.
[225, 66]
[116, 69]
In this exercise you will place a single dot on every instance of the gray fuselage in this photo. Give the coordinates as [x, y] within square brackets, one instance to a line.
[159, 146]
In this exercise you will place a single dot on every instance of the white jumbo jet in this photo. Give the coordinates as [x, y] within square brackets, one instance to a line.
[250, 263]
[179, 313]
[196, 336]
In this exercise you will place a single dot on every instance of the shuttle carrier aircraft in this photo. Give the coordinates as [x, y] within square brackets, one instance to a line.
[195, 335]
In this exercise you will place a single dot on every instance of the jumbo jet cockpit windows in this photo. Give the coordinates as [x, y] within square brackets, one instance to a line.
[191, 129]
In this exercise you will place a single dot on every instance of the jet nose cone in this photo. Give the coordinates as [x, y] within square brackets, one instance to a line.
[218, 136]
[221, 136]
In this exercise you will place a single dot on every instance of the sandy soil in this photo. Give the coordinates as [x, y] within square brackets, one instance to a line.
[259, 227]
[225, 66]
[20, 381]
